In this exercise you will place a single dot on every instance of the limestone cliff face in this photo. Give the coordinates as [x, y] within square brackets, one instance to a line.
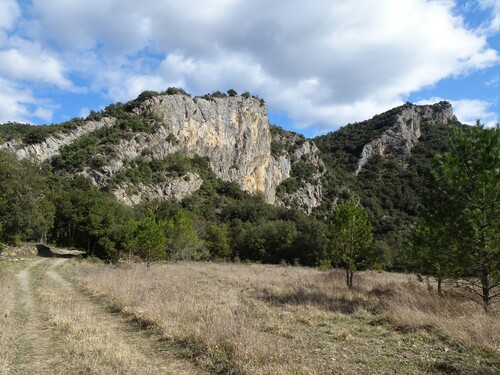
[174, 188]
[403, 135]
[233, 132]
[52, 145]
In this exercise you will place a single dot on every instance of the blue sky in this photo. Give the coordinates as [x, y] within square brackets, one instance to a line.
[319, 64]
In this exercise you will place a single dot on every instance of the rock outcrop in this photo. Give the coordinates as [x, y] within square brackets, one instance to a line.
[403, 135]
[174, 188]
[51, 146]
[299, 150]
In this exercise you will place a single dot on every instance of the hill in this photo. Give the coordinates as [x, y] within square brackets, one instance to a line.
[230, 184]
[385, 162]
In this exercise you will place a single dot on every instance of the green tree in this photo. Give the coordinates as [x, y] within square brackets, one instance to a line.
[25, 208]
[350, 238]
[89, 219]
[183, 241]
[431, 253]
[466, 204]
[148, 239]
[217, 241]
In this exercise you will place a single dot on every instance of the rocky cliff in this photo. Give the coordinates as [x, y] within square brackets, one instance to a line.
[232, 132]
[302, 188]
[403, 134]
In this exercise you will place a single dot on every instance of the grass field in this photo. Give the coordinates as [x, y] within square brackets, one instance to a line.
[256, 319]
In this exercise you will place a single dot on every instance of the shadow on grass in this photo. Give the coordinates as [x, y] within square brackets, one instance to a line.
[47, 252]
[449, 368]
[339, 303]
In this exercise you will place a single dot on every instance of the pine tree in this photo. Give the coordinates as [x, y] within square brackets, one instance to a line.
[466, 207]
[350, 237]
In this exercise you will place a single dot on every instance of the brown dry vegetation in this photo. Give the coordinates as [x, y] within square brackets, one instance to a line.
[49, 327]
[6, 307]
[255, 319]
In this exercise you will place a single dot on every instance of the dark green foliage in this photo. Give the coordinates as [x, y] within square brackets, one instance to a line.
[183, 241]
[267, 241]
[175, 91]
[172, 139]
[26, 208]
[146, 238]
[303, 171]
[93, 149]
[31, 134]
[289, 186]
[146, 95]
[343, 147]
[232, 92]
[142, 170]
[277, 148]
[218, 241]
[89, 219]
[350, 235]
[218, 94]
[390, 188]
[463, 212]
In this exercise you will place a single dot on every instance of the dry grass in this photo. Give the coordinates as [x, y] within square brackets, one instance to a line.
[49, 327]
[254, 319]
[97, 342]
[7, 305]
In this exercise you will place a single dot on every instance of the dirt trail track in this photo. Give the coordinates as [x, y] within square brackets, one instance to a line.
[54, 328]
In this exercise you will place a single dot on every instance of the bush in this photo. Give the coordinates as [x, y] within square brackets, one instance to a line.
[145, 95]
[175, 91]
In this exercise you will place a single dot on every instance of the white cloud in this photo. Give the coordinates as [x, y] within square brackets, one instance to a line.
[468, 111]
[495, 81]
[492, 25]
[14, 103]
[323, 62]
[9, 12]
[32, 64]
[44, 114]
[18, 104]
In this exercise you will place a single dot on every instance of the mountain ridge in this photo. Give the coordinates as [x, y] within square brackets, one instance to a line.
[233, 132]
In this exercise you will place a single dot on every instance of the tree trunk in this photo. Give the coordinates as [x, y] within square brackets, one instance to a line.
[440, 283]
[348, 277]
[485, 283]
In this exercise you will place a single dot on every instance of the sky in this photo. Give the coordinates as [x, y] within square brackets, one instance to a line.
[319, 64]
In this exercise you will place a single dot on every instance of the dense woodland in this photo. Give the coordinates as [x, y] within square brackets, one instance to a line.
[389, 207]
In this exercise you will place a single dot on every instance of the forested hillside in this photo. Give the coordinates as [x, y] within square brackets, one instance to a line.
[390, 186]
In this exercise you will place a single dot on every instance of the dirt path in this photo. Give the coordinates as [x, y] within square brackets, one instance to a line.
[56, 329]
[30, 348]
